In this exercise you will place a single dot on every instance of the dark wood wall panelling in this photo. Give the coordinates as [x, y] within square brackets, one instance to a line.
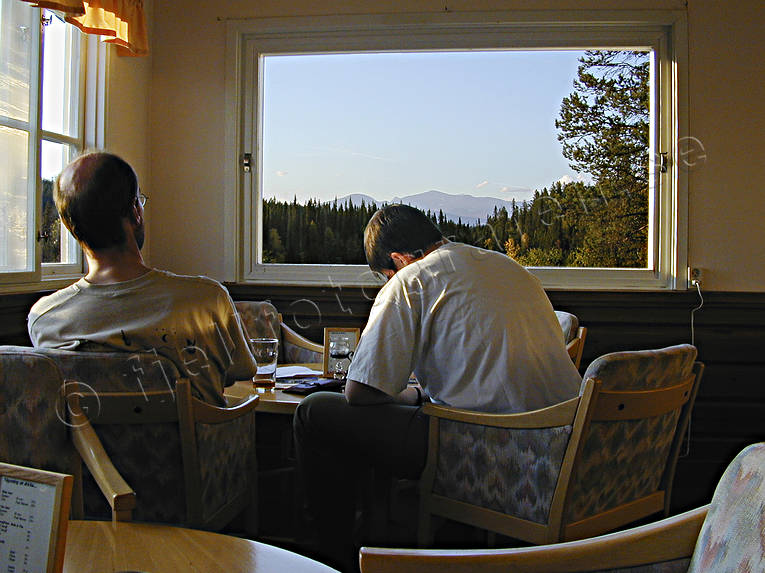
[730, 409]
[14, 309]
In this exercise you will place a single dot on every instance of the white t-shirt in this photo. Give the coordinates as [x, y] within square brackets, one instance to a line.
[475, 327]
[190, 320]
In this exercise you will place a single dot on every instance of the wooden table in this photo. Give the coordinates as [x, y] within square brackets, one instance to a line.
[104, 546]
[271, 401]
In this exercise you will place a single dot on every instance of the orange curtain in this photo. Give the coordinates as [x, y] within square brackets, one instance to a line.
[66, 6]
[122, 21]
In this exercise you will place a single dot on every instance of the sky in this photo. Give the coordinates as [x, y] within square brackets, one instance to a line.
[396, 124]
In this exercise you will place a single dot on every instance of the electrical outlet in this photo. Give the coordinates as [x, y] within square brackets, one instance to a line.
[695, 275]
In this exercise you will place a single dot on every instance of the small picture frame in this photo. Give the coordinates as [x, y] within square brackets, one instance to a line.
[34, 514]
[339, 346]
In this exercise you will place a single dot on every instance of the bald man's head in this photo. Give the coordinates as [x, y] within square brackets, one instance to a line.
[93, 194]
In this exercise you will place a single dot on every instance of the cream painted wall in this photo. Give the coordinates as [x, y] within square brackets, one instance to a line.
[727, 114]
[187, 115]
[127, 113]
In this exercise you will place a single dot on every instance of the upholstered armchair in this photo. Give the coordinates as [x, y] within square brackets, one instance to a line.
[723, 537]
[38, 430]
[261, 319]
[579, 468]
[573, 334]
[189, 462]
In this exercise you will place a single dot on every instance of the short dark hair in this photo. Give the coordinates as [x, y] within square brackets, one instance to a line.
[93, 194]
[398, 229]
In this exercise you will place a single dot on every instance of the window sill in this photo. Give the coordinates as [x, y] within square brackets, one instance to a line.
[43, 285]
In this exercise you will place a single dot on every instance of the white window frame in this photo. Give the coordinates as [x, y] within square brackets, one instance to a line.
[664, 31]
[90, 134]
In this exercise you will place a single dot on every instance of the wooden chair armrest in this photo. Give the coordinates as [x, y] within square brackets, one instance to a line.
[671, 538]
[575, 348]
[209, 414]
[555, 415]
[289, 335]
[118, 493]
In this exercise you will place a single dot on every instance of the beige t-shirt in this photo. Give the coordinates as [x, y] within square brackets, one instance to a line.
[475, 327]
[190, 320]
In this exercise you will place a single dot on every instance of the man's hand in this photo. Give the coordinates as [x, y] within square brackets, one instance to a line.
[359, 394]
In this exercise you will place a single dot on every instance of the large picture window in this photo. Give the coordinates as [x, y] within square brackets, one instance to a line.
[552, 143]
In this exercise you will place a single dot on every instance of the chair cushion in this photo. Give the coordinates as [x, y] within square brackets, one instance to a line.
[115, 371]
[34, 429]
[609, 474]
[294, 354]
[512, 471]
[148, 457]
[569, 324]
[132, 447]
[643, 369]
[260, 319]
[225, 473]
[732, 538]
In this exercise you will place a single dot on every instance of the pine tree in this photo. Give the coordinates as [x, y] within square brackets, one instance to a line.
[603, 126]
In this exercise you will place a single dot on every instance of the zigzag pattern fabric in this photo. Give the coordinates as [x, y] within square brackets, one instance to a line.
[607, 465]
[224, 471]
[732, 539]
[512, 471]
[33, 431]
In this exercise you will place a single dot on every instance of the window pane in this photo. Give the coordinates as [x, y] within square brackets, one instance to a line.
[61, 47]
[17, 21]
[16, 242]
[485, 141]
[58, 246]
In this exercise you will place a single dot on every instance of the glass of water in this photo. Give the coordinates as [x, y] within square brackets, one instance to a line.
[265, 351]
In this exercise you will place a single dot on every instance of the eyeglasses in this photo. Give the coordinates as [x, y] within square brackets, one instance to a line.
[142, 199]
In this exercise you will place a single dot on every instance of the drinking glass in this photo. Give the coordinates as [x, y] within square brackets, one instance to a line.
[265, 351]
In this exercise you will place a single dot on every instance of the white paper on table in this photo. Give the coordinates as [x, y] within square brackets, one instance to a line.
[291, 371]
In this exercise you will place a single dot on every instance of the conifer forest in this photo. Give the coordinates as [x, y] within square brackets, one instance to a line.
[603, 129]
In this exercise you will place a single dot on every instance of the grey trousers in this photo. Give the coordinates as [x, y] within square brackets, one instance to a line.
[337, 445]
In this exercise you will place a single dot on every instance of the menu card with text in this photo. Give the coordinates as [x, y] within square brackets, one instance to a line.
[26, 524]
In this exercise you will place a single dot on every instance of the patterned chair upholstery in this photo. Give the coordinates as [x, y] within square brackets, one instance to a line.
[476, 462]
[200, 474]
[34, 430]
[733, 535]
[261, 320]
[723, 537]
[572, 470]
[37, 430]
[569, 324]
[608, 474]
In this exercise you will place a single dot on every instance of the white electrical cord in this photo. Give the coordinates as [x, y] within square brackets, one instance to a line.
[693, 312]
[687, 440]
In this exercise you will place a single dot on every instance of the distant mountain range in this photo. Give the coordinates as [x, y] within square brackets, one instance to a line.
[467, 208]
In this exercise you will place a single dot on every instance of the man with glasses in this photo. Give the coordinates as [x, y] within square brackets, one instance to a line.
[123, 305]
[475, 327]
